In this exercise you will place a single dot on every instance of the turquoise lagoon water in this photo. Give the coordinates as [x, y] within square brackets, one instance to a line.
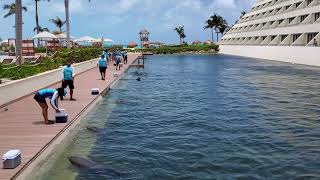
[203, 117]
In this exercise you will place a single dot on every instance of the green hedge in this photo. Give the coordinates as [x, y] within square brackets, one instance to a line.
[61, 58]
[180, 49]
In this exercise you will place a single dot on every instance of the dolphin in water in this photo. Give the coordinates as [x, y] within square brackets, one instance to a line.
[82, 162]
[94, 129]
[85, 163]
[138, 79]
[136, 73]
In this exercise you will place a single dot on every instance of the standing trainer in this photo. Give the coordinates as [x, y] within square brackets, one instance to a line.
[68, 79]
[102, 64]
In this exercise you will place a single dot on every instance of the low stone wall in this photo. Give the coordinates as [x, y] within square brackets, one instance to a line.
[290, 54]
[17, 89]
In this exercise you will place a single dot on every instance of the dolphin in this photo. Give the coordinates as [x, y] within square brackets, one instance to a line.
[94, 129]
[138, 79]
[85, 163]
[82, 162]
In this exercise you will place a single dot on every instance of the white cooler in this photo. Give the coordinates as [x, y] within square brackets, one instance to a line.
[62, 116]
[95, 91]
[11, 159]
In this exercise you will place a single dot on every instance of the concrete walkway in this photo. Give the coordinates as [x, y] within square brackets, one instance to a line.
[22, 126]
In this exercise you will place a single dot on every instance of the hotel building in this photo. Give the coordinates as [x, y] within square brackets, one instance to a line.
[282, 30]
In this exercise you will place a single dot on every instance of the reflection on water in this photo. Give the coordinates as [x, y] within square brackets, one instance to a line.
[204, 117]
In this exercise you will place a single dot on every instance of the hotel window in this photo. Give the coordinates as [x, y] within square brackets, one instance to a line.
[287, 7]
[303, 17]
[295, 37]
[298, 4]
[283, 37]
[271, 22]
[280, 21]
[256, 38]
[309, 2]
[263, 38]
[291, 19]
[277, 10]
[316, 16]
[272, 37]
[310, 36]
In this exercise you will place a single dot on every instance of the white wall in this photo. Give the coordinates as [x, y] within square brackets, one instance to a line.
[17, 89]
[292, 54]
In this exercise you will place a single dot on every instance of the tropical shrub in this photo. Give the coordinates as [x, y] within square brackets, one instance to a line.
[61, 58]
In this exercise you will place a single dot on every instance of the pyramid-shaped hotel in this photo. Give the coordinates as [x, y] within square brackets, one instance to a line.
[283, 30]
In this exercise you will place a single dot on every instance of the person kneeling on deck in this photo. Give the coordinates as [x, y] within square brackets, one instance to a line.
[53, 95]
[68, 79]
[102, 64]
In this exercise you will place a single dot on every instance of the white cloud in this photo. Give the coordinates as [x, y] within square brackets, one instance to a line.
[226, 3]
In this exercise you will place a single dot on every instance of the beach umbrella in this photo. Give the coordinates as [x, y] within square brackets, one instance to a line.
[103, 40]
[132, 45]
[208, 42]
[86, 39]
[108, 40]
[6, 41]
[64, 36]
[196, 42]
[45, 35]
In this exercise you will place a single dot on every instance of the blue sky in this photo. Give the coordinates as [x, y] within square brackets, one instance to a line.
[121, 20]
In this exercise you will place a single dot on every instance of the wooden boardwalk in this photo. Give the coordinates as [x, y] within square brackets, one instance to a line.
[21, 125]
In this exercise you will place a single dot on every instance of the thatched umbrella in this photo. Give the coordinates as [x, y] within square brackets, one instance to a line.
[208, 42]
[196, 42]
[132, 45]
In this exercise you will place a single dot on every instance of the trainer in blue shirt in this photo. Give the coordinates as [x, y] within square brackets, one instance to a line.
[103, 65]
[68, 79]
[53, 95]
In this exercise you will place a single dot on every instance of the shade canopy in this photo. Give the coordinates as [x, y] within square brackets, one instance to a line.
[132, 45]
[208, 42]
[196, 42]
[4, 41]
[108, 40]
[86, 39]
[102, 40]
[45, 35]
[64, 36]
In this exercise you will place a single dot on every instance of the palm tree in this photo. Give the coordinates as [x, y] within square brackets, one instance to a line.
[40, 29]
[180, 31]
[212, 23]
[223, 28]
[216, 22]
[18, 22]
[183, 36]
[58, 22]
[12, 9]
[66, 7]
[37, 16]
